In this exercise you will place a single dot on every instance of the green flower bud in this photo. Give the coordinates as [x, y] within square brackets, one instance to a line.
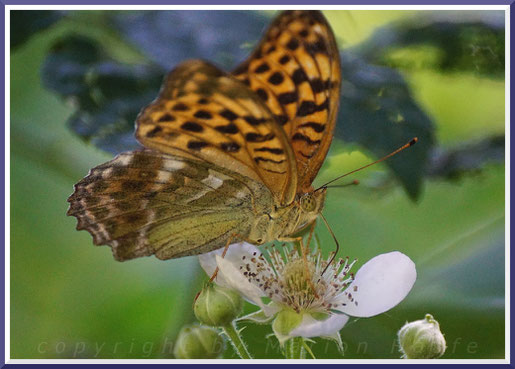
[217, 306]
[198, 342]
[422, 339]
[285, 322]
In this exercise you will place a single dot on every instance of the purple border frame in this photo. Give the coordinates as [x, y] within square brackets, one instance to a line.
[2, 200]
[257, 2]
[208, 2]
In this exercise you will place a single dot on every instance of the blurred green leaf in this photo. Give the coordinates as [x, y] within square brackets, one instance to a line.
[26, 23]
[454, 41]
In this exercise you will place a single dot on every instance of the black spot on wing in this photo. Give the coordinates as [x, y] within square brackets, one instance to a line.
[304, 33]
[228, 114]
[299, 76]
[262, 68]
[229, 128]
[317, 85]
[274, 171]
[256, 137]
[307, 156]
[197, 145]
[166, 118]
[180, 107]
[309, 107]
[271, 49]
[284, 59]
[262, 94]
[270, 150]
[300, 137]
[276, 78]
[281, 119]
[317, 127]
[253, 121]
[153, 132]
[202, 114]
[293, 44]
[192, 127]
[318, 46]
[287, 97]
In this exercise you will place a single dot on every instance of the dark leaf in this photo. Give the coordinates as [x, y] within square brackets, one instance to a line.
[108, 95]
[469, 157]
[470, 41]
[378, 112]
[25, 23]
[170, 37]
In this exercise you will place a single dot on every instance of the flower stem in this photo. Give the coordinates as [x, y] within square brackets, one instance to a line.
[308, 349]
[236, 341]
[294, 348]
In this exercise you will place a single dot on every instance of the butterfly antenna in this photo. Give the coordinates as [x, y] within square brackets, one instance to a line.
[335, 241]
[353, 183]
[409, 144]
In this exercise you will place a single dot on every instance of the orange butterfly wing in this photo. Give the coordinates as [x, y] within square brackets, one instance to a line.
[296, 70]
[206, 114]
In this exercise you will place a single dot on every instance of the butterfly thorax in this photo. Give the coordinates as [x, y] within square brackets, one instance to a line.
[284, 221]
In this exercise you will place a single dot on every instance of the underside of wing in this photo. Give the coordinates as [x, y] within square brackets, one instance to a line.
[296, 70]
[206, 114]
[143, 203]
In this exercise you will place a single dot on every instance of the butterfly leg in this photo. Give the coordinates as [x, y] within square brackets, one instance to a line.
[226, 248]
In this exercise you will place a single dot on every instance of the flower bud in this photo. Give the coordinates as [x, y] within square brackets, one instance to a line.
[285, 322]
[198, 342]
[422, 339]
[217, 306]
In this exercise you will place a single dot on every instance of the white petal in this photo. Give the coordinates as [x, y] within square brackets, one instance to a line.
[235, 252]
[258, 317]
[310, 327]
[380, 284]
[236, 280]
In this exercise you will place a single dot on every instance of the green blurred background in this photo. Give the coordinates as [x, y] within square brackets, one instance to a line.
[72, 300]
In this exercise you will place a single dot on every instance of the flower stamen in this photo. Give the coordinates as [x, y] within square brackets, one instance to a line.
[297, 281]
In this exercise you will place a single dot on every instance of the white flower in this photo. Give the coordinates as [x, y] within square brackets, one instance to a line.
[311, 299]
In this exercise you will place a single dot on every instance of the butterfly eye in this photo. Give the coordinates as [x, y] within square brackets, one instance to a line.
[308, 203]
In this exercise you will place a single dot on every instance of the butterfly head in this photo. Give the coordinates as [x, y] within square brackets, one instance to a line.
[312, 202]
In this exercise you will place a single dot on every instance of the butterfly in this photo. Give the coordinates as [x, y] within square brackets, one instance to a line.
[227, 156]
